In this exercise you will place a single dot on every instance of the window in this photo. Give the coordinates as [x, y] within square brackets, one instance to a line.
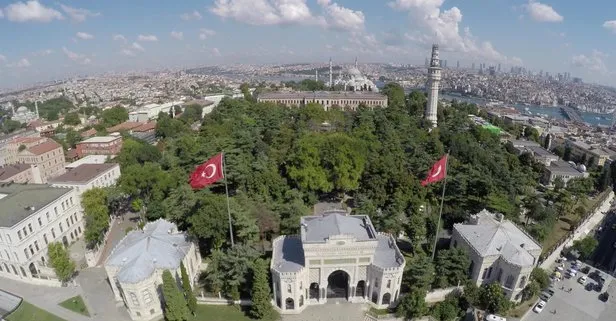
[26, 253]
[152, 311]
[55, 209]
[19, 235]
[61, 229]
[376, 283]
[30, 227]
[53, 233]
[63, 208]
[45, 239]
[138, 314]
[31, 249]
[36, 245]
[47, 215]
[388, 284]
[9, 238]
[133, 298]
[485, 272]
[147, 296]
[40, 222]
[25, 232]
[68, 222]
[289, 288]
[509, 282]
[71, 200]
[72, 220]
[489, 272]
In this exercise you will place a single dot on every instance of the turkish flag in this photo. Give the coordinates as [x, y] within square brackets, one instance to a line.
[207, 173]
[437, 172]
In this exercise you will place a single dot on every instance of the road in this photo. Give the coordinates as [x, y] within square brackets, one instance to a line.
[605, 254]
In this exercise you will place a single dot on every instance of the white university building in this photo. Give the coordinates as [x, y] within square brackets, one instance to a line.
[136, 265]
[31, 217]
[336, 257]
[499, 251]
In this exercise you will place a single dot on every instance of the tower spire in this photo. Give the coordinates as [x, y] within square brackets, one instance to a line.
[434, 79]
[355, 62]
[316, 75]
[331, 84]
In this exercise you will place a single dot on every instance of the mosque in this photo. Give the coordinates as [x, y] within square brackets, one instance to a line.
[23, 114]
[351, 79]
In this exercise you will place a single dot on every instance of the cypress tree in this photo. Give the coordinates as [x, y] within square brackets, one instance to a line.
[175, 305]
[188, 293]
[261, 307]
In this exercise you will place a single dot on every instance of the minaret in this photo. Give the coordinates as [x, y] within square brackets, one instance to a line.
[355, 62]
[434, 78]
[331, 84]
[316, 75]
[36, 107]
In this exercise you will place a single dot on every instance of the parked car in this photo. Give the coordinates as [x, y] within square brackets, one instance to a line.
[551, 291]
[585, 269]
[493, 317]
[544, 296]
[604, 296]
[582, 279]
[539, 307]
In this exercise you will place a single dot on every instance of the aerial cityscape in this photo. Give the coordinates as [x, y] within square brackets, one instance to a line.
[328, 160]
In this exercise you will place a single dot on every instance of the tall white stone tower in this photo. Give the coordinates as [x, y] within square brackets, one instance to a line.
[331, 83]
[434, 79]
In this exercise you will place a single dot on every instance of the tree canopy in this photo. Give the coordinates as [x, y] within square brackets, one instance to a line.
[60, 260]
[114, 115]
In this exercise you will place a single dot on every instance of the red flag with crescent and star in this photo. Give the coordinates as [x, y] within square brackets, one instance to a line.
[437, 172]
[207, 173]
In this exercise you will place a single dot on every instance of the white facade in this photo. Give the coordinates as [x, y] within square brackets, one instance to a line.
[55, 215]
[135, 266]
[499, 252]
[151, 111]
[337, 256]
[88, 176]
[434, 79]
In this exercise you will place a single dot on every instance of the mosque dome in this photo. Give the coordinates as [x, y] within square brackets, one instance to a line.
[354, 72]
[22, 110]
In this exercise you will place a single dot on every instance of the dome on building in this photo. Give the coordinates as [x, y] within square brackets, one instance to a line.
[22, 110]
[352, 79]
[354, 72]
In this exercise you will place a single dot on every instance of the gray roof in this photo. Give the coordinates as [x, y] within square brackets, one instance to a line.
[563, 167]
[84, 173]
[523, 143]
[387, 254]
[20, 198]
[540, 151]
[322, 95]
[490, 236]
[288, 255]
[319, 228]
[141, 253]
[9, 171]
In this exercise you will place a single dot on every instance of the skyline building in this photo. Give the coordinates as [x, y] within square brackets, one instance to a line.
[434, 79]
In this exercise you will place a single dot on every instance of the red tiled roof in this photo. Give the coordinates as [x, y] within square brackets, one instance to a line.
[9, 171]
[128, 125]
[145, 127]
[27, 140]
[45, 147]
[88, 133]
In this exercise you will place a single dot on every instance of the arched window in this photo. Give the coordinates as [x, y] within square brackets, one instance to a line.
[147, 296]
[133, 298]
[289, 288]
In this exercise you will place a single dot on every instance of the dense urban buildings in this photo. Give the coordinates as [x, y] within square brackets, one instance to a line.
[328, 99]
[499, 251]
[336, 255]
[44, 153]
[20, 173]
[88, 176]
[32, 216]
[136, 264]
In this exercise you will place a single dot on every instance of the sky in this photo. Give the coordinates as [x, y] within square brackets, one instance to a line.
[45, 40]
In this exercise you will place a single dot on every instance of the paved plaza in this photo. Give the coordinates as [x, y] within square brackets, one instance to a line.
[578, 305]
[339, 311]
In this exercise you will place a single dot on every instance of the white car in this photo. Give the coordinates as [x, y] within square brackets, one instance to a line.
[539, 307]
[582, 280]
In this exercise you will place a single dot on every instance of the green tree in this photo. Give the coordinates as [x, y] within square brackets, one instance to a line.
[96, 213]
[245, 89]
[447, 310]
[175, 306]
[395, 95]
[72, 138]
[451, 267]
[114, 115]
[72, 119]
[419, 273]
[8, 126]
[541, 277]
[61, 262]
[229, 270]
[261, 307]
[493, 299]
[413, 305]
[585, 247]
[189, 295]
[135, 151]
[531, 290]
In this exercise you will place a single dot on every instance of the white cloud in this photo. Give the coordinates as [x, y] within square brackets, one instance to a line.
[22, 63]
[281, 12]
[128, 52]
[119, 38]
[593, 62]
[78, 58]
[84, 36]
[1, 13]
[610, 25]
[147, 38]
[137, 46]
[31, 11]
[206, 33]
[443, 27]
[78, 15]
[542, 12]
[177, 35]
[2, 58]
[195, 15]
[216, 52]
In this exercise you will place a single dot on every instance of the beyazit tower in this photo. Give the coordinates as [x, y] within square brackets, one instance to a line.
[434, 79]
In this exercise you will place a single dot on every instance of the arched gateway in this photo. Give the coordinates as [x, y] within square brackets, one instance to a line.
[338, 285]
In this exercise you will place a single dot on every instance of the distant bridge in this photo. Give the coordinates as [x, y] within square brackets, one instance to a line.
[571, 114]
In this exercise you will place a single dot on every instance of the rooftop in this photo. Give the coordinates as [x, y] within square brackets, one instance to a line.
[540, 151]
[127, 125]
[523, 143]
[100, 139]
[322, 95]
[90, 159]
[387, 254]
[18, 201]
[288, 254]
[319, 228]
[490, 235]
[561, 166]
[9, 171]
[141, 253]
[83, 173]
[44, 147]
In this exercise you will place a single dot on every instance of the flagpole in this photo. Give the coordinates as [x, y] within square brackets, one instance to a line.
[224, 164]
[440, 212]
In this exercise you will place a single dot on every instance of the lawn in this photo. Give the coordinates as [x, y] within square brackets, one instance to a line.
[28, 312]
[522, 308]
[75, 304]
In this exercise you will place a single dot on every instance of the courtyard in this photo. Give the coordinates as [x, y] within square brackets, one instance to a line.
[578, 304]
